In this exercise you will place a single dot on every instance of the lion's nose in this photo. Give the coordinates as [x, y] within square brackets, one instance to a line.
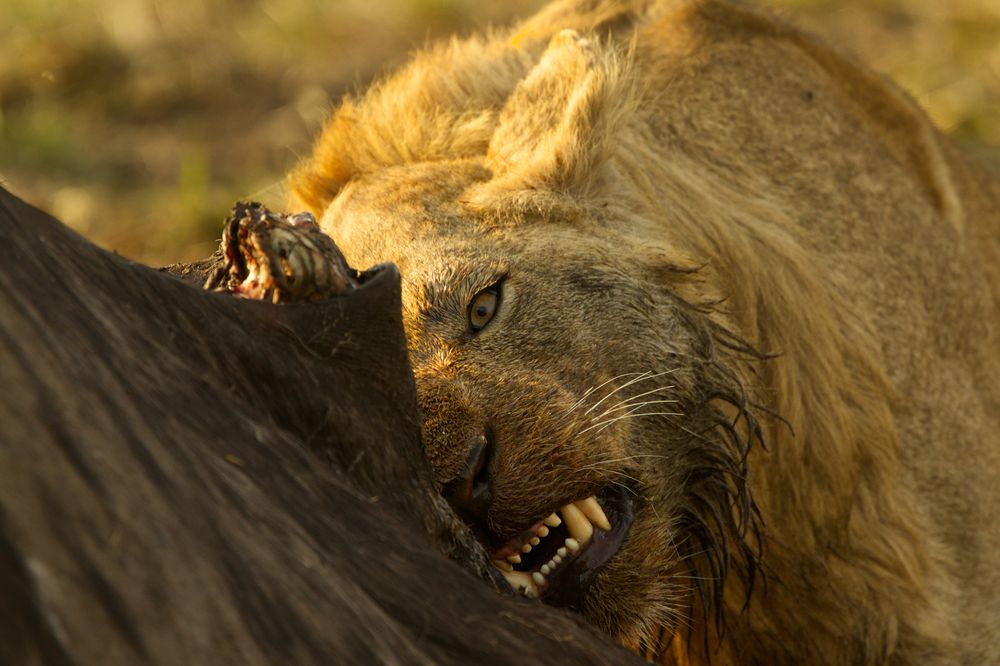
[471, 492]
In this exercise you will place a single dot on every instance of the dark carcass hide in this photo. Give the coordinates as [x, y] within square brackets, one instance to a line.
[188, 477]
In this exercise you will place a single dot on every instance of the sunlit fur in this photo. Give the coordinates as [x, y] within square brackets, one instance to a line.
[799, 262]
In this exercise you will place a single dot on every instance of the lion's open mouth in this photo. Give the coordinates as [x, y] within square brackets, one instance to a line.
[558, 558]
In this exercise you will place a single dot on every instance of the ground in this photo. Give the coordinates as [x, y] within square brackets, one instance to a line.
[139, 122]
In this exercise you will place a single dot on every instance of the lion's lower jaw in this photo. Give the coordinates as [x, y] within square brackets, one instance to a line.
[643, 597]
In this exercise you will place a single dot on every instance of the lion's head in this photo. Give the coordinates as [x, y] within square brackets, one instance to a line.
[580, 413]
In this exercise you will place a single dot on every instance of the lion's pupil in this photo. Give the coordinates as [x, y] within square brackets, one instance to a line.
[481, 311]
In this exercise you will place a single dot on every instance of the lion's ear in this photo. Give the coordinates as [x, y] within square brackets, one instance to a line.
[554, 133]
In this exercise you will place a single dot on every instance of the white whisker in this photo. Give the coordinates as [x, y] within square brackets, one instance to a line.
[611, 461]
[620, 473]
[608, 422]
[644, 376]
[589, 391]
[635, 406]
[635, 397]
[626, 488]
[614, 471]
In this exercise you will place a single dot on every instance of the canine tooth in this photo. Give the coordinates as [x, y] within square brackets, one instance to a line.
[577, 524]
[546, 570]
[534, 541]
[521, 582]
[573, 545]
[561, 552]
[538, 578]
[526, 548]
[594, 513]
[502, 566]
[553, 521]
[514, 559]
[543, 531]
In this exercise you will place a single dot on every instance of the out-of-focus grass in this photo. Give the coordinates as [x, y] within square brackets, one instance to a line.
[139, 122]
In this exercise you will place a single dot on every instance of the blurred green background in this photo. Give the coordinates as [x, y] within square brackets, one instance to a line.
[139, 122]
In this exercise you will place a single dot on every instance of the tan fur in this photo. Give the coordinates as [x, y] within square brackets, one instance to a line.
[661, 183]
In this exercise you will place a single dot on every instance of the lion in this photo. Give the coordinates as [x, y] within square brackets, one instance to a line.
[705, 324]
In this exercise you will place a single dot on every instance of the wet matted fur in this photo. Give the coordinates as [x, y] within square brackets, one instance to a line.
[695, 203]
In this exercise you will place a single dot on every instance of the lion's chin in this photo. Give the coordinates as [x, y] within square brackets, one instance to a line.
[559, 557]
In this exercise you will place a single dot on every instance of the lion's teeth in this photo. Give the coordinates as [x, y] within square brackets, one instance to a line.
[534, 541]
[517, 578]
[561, 552]
[556, 559]
[546, 569]
[502, 566]
[522, 582]
[572, 545]
[526, 548]
[577, 524]
[553, 521]
[538, 578]
[514, 559]
[593, 511]
[543, 531]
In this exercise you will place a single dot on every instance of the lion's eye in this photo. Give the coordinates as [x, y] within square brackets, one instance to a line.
[483, 306]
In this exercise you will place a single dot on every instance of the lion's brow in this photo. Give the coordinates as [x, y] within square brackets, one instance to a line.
[453, 286]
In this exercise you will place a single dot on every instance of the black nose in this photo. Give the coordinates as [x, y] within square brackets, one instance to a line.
[471, 492]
